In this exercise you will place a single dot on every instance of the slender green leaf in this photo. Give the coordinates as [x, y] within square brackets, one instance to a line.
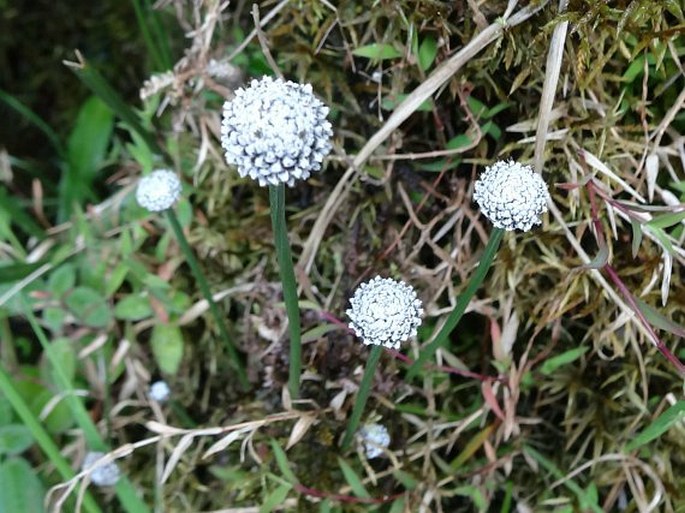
[659, 426]
[377, 51]
[551, 468]
[282, 462]
[275, 498]
[552, 364]
[658, 320]
[666, 220]
[353, 480]
[34, 119]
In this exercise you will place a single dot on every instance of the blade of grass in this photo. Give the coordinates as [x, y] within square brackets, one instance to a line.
[92, 78]
[551, 468]
[34, 119]
[125, 491]
[362, 395]
[285, 266]
[41, 436]
[463, 301]
[206, 292]
[153, 35]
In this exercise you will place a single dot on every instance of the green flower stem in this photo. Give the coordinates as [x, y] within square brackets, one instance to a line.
[362, 395]
[126, 493]
[285, 265]
[462, 302]
[204, 288]
[41, 436]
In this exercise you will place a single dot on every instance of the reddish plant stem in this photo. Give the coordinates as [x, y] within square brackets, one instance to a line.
[312, 492]
[622, 287]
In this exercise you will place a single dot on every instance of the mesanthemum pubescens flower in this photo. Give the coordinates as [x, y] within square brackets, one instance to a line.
[374, 438]
[275, 131]
[385, 312]
[159, 190]
[106, 474]
[511, 195]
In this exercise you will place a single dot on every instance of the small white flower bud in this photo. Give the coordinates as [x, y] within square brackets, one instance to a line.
[385, 312]
[159, 190]
[511, 195]
[159, 391]
[374, 438]
[275, 131]
[106, 474]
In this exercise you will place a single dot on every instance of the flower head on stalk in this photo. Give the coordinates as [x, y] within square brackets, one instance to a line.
[159, 190]
[106, 474]
[511, 195]
[374, 438]
[275, 131]
[385, 312]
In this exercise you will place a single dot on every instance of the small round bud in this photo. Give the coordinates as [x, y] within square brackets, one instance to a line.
[275, 132]
[159, 391]
[374, 438]
[385, 312]
[159, 190]
[511, 195]
[106, 474]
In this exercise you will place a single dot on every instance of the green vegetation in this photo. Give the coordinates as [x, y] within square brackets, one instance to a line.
[548, 372]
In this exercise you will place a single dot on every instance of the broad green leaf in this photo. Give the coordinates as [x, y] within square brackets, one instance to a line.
[59, 419]
[659, 426]
[473, 493]
[427, 52]
[13, 211]
[377, 51]
[86, 151]
[20, 490]
[133, 308]
[62, 350]
[89, 307]
[282, 462]
[6, 413]
[167, 346]
[275, 499]
[353, 480]
[398, 506]
[14, 439]
[115, 279]
[62, 279]
[552, 364]
[408, 481]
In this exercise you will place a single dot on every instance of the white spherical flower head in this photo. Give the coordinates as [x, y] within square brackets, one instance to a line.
[385, 312]
[374, 438]
[159, 391]
[159, 190]
[275, 131]
[511, 195]
[104, 475]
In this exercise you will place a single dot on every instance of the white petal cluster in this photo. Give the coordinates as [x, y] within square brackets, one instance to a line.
[275, 132]
[385, 312]
[374, 438]
[104, 475]
[511, 195]
[159, 391]
[159, 190]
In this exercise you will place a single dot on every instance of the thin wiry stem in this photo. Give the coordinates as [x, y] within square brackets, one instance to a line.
[285, 265]
[204, 288]
[463, 301]
[362, 395]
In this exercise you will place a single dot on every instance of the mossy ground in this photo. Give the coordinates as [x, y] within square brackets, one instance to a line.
[563, 374]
